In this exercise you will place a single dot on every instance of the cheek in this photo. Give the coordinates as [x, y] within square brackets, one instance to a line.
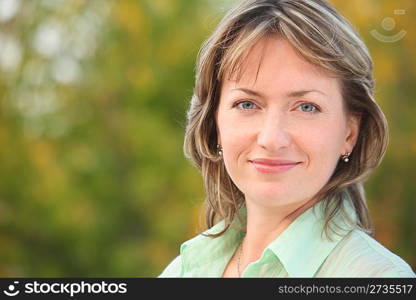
[234, 142]
[231, 134]
[323, 142]
[323, 147]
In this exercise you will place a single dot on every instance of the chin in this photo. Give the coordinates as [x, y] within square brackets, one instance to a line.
[271, 197]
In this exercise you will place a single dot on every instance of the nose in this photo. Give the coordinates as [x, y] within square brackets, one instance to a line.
[273, 133]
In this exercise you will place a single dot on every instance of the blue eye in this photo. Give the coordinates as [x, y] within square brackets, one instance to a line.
[308, 107]
[245, 105]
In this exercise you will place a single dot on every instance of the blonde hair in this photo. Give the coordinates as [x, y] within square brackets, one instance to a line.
[324, 38]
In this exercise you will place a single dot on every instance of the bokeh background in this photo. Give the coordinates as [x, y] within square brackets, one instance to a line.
[93, 95]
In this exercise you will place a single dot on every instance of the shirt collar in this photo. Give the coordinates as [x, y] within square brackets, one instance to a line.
[301, 248]
[207, 256]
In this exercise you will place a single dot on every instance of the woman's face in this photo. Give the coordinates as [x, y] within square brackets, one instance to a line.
[290, 111]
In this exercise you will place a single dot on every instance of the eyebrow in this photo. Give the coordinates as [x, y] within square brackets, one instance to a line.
[293, 94]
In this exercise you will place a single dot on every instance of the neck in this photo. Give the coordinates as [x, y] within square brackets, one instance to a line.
[264, 225]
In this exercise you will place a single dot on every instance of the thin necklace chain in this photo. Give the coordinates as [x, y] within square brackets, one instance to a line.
[239, 258]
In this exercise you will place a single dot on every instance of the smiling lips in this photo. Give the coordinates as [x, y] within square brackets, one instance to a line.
[264, 165]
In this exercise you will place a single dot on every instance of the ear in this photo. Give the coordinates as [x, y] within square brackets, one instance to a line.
[353, 130]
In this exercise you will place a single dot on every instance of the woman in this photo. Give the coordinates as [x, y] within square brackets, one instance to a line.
[284, 128]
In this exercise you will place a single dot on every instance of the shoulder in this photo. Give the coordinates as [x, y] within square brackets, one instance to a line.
[360, 255]
[174, 269]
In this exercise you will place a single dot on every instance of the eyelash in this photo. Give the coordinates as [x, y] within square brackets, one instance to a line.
[316, 110]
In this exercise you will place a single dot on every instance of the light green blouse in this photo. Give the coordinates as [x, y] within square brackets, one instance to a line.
[299, 251]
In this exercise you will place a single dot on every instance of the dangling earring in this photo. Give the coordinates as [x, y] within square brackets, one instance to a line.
[346, 157]
[219, 149]
[219, 166]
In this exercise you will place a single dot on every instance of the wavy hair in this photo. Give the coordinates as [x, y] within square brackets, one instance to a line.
[322, 37]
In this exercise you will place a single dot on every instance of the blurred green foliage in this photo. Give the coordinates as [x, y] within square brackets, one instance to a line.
[93, 96]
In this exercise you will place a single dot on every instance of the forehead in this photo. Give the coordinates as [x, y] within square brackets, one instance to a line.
[273, 64]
